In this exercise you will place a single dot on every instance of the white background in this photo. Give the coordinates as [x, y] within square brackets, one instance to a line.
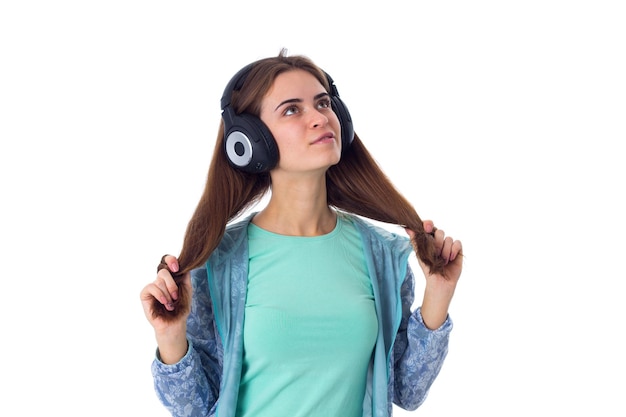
[502, 121]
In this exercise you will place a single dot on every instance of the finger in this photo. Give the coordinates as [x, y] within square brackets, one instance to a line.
[429, 226]
[166, 282]
[457, 248]
[154, 291]
[168, 262]
[439, 236]
[446, 249]
[171, 262]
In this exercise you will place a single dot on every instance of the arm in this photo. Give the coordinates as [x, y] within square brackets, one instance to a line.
[189, 385]
[418, 352]
[422, 341]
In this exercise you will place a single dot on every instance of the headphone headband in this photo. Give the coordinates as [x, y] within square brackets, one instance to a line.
[235, 84]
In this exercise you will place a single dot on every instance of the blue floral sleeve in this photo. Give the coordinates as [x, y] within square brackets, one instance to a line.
[418, 352]
[190, 387]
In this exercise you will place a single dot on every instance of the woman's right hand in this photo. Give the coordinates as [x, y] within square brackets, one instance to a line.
[171, 333]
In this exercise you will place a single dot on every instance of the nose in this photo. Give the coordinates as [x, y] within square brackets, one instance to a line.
[318, 119]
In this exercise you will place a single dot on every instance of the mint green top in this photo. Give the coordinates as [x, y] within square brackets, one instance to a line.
[310, 325]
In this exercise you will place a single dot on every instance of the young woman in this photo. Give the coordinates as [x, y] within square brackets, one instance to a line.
[302, 308]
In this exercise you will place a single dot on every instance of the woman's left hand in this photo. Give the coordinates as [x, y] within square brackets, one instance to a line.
[440, 287]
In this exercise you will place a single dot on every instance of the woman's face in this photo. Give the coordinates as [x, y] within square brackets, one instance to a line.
[297, 110]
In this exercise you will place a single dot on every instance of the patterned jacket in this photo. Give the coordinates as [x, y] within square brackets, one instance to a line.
[205, 382]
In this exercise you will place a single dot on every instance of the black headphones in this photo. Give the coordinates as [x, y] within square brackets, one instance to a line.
[249, 144]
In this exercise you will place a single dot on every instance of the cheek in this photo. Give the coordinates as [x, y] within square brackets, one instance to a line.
[286, 139]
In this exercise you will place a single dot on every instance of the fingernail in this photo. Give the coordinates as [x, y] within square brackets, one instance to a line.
[175, 267]
[175, 295]
[169, 306]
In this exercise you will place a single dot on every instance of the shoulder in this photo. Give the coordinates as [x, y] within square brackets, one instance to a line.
[235, 232]
[377, 233]
[234, 240]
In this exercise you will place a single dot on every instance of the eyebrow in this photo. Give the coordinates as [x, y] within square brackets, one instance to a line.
[299, 100]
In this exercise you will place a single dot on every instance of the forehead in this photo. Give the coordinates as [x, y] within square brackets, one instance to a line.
[294, 84]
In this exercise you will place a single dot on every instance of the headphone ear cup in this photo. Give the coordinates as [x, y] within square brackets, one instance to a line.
[248, 143]
[347, 128]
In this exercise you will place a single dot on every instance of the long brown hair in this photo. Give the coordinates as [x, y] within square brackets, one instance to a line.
[356, 184]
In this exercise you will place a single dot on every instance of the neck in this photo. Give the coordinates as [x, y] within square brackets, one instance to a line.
[297, 208]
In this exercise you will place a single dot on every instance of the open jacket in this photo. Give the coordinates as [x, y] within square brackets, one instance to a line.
[407, 356]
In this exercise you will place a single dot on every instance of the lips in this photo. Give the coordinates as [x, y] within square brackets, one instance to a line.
[327, 137]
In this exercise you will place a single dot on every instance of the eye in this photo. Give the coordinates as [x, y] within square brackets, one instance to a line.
[290, 110]
[324, 103]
